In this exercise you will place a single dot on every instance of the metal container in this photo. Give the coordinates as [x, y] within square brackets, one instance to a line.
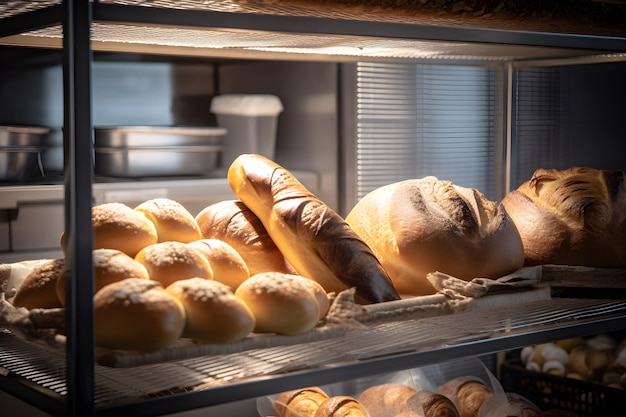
[23, 136]
[52, 155]
[155, 136]
[20, 163]
[137, 162]
[153, 151]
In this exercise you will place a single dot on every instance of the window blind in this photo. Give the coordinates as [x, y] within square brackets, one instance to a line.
[420, 120]
[540, 104]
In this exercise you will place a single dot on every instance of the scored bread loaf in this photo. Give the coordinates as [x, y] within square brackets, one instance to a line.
[314, 238]
[171, 219]
[137, 314]
[302, 402]
[117, 226]
[520, 406]
[469, 393]
[213, 312]
[341, 406]
[386, 400]
[428, 404]
[168, 262]
[234, 223]
[38, 289]
[419, 226]
[575, 216]
[109, 265]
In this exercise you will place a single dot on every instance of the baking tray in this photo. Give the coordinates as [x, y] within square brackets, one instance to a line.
[156, 136]
[138, 162]
[23, 136]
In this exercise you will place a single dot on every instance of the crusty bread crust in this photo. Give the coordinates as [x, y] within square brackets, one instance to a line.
[419, 226]
[233, 222]
[314, 238]
[575, 216]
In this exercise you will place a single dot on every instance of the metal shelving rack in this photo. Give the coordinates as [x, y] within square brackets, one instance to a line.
[79, 27]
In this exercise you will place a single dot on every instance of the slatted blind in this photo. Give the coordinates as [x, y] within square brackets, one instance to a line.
[420, 120]
[540, 105]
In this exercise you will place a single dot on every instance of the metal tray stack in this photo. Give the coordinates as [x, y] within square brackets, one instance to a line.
[150, 151]
[20, 152]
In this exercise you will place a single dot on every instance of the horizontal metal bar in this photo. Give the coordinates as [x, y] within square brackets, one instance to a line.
[35, 396]
[29, 21]
[320, 25]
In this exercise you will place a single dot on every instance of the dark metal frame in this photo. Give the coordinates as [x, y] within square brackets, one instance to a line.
[76, 17]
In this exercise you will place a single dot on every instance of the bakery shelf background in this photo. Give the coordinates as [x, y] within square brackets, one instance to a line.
[273, 31]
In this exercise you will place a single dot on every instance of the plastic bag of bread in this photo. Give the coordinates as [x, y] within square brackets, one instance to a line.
[474, 390]
[575, 216]
[339, 397]
[425, 225]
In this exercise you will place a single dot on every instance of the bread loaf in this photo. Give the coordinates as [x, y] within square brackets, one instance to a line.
[280, 303]
[468, 393]
[117, 226]
[213, 313]
[315, 239]
[168, 262]
[300, 402]
[575, 216]
[38, 289]
[340, 406]
[172, 220]
[228, 266]
[109, 265]
[386, 400]
[137, 314]
[520, 406]
[428, 404]
[419, 226]
[234, 223]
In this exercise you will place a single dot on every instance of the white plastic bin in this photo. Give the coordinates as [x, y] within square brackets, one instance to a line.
[251, 121]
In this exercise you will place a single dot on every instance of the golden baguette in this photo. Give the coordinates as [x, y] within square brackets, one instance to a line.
[316, 240]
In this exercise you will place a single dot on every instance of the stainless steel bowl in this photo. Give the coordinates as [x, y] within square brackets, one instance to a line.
[23, 135]
[137, 162]
[20, 163]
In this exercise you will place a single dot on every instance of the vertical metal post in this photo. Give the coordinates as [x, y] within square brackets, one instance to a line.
[77, 58]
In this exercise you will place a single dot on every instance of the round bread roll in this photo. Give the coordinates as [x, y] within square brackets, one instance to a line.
[110, 265]
[281, 303]
[386, 400]
[168, 262]
[428, 404]
[213, 313]
[323, 301]
[234, 223]
[117, 226]
[468, 393]
[137, 314]
[172, 220]
[341, 406]
[228, 266]
[575, 216]
[38, 289]
[300, 402]
[419, 226]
